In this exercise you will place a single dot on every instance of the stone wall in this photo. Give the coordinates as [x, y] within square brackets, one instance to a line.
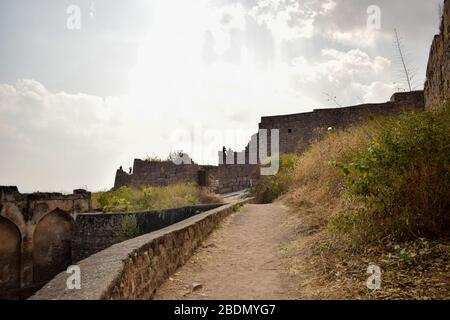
[35, 234]
[235, 177]
[97, 231]
[163, 173]
[437, 85]
[298, 131]
[134, 269]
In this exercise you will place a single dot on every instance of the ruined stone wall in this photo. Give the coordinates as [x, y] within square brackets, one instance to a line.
[134, 269]
[97, 231]
[35, 234]
[235, 177]
[437, 85]
[161, 173]
[298, 131]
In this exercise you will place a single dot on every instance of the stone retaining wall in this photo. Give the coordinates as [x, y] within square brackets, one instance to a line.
[134, 269]
[97, 231]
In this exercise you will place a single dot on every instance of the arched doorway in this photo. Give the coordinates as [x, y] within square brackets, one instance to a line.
[52, 245]
[10, 240]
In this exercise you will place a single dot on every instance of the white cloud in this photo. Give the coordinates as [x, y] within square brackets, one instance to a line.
[340, 67]
[49, 138]
[376, 92]
[286, 19]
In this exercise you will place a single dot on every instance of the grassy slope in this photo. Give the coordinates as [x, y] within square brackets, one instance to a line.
[377, 194]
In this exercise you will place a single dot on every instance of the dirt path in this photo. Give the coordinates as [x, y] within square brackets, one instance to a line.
[242, 259]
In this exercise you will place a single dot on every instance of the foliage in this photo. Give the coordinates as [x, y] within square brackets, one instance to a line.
[269, 188]
[126, 199]
[402, 180]
[237, 207]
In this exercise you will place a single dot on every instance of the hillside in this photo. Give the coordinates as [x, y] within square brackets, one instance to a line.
[377, 194]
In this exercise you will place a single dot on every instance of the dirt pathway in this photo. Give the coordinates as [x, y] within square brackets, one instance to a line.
[241, 259]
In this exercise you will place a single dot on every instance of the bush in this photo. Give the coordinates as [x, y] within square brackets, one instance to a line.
[270, 188]
[401, 181]
[126, 199]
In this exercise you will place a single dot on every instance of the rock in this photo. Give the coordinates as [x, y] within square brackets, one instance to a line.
[196, 286]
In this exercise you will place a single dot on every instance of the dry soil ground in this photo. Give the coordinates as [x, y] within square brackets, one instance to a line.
[241, 259]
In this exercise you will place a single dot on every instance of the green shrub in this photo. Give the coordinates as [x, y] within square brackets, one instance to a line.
[237, 207]
[402, 181]
[270, 188]
[127, 199]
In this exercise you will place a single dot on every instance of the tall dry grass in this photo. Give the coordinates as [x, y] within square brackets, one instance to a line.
[389, 178]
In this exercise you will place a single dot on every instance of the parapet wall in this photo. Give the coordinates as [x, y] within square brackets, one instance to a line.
[35, 234]
[298, 131]
[134, 269]
[163, 173]
[97, 231]
[437, 85]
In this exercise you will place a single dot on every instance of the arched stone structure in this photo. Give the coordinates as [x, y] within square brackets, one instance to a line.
[10, 242]
[51, 245]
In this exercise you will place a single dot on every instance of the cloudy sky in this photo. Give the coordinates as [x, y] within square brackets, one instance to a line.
[142, 77]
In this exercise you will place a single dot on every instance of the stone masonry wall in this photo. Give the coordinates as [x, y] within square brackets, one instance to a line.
[35, 233]
[298, 131]
[157, 173]
[97, 231]
[134, 269]
[437, 85]
[163, 173]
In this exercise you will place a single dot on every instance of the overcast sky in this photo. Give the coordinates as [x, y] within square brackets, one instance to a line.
[147, 77]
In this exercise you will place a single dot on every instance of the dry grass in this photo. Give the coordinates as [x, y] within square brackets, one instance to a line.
[127, 199]
[327, 264]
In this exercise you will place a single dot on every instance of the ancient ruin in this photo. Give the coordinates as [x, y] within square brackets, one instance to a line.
[35, 234]
[437, 85]
[42, 233]
[296, 133]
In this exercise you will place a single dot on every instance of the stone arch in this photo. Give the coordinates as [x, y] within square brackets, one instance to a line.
[10, 243]
[52, 245]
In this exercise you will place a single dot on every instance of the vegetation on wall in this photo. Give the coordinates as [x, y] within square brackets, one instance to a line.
[126, 199]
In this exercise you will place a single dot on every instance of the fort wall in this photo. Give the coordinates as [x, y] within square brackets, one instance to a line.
[437, 85]
[97, 231]
[134, 269]
[35, 234]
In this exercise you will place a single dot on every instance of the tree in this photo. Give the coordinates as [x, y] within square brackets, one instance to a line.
[406, 70]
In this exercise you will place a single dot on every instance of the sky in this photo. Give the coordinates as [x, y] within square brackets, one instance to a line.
[86, 86]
